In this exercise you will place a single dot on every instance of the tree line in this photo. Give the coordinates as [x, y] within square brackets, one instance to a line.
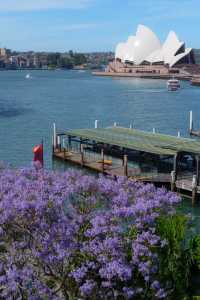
[68, 61]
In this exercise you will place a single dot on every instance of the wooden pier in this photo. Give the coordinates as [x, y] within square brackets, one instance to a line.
[144, 156]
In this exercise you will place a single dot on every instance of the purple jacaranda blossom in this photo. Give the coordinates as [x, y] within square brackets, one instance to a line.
[88, 287]
[155, 285]
[106, 284]
[79, 273]
[129, 292]
[116, 269]
[77, 235]
[161, 294]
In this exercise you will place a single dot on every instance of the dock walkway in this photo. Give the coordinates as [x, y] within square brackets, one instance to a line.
[165, 160]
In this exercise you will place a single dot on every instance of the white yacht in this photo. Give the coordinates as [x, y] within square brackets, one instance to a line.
[173, 84]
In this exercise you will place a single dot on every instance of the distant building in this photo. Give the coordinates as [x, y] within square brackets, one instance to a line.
[3, 52]
[146, 49]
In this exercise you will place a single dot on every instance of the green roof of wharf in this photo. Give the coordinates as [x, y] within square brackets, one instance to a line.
[154, 143]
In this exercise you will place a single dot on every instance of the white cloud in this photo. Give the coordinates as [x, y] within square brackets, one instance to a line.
[29, 5]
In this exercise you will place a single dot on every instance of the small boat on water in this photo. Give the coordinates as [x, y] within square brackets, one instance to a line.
[28, 76]
[173, 84]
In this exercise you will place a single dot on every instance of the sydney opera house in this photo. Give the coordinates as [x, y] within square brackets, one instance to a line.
[145, 47]
[144, 52]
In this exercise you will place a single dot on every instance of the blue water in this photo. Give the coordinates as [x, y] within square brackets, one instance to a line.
[73, 99]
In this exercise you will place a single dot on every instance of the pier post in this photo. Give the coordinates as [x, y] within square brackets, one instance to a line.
[174, 173]
[54, 137]
[125, 165]
[102, 159]
[175, 167]
[64, 147]
[123, 152]
[197, 169]
[82, 155]
[80, 145]
[191, 122]
[63, 143]
[58, 143]
[52, 144]
[173, 181]
[194, 190]
[69, 142]
[96, 124]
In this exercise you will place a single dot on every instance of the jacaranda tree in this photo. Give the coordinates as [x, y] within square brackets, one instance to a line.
[72, 236]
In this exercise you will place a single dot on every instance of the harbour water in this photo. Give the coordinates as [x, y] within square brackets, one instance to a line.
[73, 99]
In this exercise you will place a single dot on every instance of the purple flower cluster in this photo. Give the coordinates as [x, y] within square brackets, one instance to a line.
[70, 235]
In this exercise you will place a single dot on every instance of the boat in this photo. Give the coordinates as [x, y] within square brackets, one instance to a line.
[173, 84]
[28, 76]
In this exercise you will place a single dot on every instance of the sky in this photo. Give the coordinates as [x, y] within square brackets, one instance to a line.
[93, 25]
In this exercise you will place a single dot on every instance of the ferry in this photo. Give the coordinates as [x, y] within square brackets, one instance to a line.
[173, 84]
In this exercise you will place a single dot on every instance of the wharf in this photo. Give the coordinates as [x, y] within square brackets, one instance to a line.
[109, 168]
[142, 75]
[144, 156]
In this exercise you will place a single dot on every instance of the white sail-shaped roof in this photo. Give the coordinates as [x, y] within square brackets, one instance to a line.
[145, 46]
[120, 51]
[146, 42]
[178, 57]
[171, 46]
[130, 48]
[156, 56]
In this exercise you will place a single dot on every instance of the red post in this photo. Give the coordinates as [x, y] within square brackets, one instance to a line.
[38, 153]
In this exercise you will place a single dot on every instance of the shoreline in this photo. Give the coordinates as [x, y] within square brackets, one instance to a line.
[142, 75]
[40, 69]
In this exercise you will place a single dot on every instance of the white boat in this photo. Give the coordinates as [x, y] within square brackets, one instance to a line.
[173, 84]
[28, 76]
